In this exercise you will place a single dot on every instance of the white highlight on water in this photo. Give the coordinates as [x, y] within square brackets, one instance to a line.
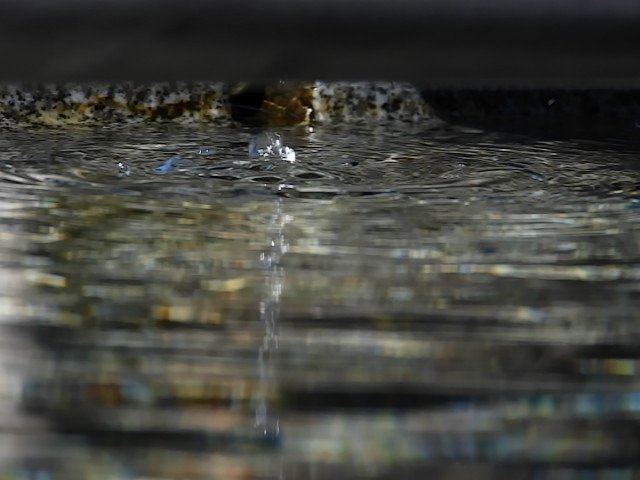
[268, 145]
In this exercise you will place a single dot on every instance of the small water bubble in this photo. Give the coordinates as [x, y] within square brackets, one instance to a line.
[123, 169]
[205, 151]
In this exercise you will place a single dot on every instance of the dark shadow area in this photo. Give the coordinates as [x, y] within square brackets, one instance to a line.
[546, 113]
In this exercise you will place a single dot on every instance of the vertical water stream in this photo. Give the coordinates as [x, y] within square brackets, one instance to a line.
[266, 418]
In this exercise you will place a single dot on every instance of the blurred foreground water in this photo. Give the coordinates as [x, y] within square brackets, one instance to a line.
[389, 302]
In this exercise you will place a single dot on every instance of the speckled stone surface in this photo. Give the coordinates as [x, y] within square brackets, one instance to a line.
[298, 103]
[354, 101]
[76, 103]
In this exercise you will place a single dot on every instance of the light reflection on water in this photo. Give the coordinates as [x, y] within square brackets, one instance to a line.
[395, 302]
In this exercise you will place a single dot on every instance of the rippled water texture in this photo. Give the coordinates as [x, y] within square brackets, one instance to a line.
[396, 302]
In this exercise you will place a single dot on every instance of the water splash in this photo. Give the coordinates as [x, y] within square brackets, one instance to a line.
[269, 145]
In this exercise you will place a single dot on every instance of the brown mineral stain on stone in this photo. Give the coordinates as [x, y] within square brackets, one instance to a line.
[288, 104]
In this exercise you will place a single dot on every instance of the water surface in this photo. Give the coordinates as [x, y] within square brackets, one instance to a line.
[399, 301]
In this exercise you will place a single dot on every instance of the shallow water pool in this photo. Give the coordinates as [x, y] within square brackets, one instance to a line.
[398, 301]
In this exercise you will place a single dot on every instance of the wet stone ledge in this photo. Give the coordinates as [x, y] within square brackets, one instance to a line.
[283, 103]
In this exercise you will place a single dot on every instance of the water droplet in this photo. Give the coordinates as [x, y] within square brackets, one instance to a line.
[123, 169]
[288, 154]
[205, 151]
[267, 144]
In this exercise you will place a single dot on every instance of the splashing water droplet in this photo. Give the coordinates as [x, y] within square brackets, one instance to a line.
[123, 169]
[267, 145]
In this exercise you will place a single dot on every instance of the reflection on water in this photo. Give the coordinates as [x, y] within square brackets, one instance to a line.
[397, 302]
